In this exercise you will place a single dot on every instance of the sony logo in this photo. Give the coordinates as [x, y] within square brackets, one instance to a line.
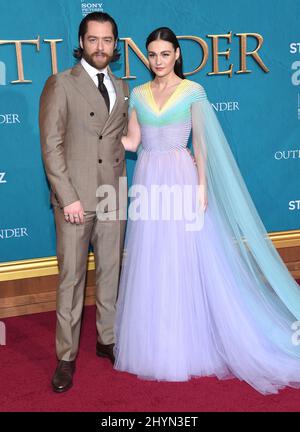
[92, 5]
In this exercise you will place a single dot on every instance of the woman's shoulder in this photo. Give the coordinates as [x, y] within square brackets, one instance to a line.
[195, 89]
[140, 88]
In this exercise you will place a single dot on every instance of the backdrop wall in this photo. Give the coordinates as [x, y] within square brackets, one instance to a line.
[259, 110]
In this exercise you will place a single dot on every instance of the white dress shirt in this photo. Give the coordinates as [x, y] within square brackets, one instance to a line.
[107, 81]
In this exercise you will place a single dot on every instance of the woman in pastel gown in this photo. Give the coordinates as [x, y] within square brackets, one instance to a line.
[204, 292]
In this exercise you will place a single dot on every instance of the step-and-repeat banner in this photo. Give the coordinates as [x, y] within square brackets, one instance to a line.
[245, 54]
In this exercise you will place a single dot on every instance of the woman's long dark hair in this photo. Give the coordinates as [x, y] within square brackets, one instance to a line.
[166, 34]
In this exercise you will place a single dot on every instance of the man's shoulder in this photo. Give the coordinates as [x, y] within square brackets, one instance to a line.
[65, 73]
[62, 76]
[122, 82]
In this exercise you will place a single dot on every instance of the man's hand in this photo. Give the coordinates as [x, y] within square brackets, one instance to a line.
[74, 213]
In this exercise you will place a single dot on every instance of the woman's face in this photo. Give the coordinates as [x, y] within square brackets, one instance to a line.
[162, 57]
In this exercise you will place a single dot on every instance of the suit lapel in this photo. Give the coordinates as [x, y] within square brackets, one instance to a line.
[85, 85]
[119, 99]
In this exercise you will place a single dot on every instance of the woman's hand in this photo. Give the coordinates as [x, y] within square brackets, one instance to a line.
[203, 197]
[132, 140]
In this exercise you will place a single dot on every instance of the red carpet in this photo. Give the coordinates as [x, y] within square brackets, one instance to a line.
[28, 361]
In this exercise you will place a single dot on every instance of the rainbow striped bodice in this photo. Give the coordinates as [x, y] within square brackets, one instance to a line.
[168, 128]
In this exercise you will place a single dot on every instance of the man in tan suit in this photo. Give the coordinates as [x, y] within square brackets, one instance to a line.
[83, 115]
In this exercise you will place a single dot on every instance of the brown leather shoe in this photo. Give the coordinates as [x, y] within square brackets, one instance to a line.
[105, 351]
[63, 377]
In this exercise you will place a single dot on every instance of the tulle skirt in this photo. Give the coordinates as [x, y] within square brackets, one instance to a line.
[188, 306]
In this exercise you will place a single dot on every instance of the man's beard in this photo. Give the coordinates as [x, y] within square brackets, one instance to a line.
[96, 60]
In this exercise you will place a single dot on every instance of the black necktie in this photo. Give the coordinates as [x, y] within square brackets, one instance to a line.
[103, 89]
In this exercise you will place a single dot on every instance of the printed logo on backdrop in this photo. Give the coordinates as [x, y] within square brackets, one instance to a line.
[9, 233]
[226, 106]
[2, 73]
[294, 205]
[9, 118]
[287, 154]
[295, 49]
[88, 7]
[2, 177]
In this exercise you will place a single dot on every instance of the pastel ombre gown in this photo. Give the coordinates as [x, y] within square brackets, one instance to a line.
[213, 300]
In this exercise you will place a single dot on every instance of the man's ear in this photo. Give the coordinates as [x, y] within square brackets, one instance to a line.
[80, 42]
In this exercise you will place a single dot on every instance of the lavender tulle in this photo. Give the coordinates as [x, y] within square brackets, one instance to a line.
[197, 302]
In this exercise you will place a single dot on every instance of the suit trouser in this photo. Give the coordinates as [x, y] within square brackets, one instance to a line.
[72, 252]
